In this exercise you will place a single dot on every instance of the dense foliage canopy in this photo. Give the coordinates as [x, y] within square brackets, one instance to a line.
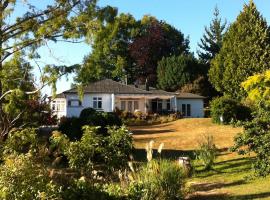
[244, 52]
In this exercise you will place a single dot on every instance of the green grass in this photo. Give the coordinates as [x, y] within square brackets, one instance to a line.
[232, 176]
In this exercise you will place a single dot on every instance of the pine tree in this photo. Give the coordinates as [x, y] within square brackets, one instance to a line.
[244, 52]
[211, 41]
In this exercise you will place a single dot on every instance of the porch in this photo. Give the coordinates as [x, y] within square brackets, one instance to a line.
[145, 104]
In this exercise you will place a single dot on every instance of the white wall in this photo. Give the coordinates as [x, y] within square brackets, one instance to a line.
[88, 102]
[196, 106]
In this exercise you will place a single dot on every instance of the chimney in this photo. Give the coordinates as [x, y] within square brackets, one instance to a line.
[146, 85]
[126, 79]
[136, 84]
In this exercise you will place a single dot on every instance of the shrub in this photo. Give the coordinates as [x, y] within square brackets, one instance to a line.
[87, 112]
[80, 154]
[21, 178]
[229, 110]
[255, 140]
[158, 179]
[21, 141]
[85, 190]
[72, 127]
[112, 150]
[118, 147]
[207, 151]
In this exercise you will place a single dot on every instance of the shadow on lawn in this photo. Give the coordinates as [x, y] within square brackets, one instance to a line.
[149, 132]
[140, 154]
[225, 196]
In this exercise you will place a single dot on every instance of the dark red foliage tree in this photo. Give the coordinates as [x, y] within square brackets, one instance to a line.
[157, 40]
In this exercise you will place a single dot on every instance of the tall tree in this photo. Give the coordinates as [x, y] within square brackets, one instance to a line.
[176, 71]
[211, 41]
[109, 57]
[244, 52]
[61, 19]
[157, 39]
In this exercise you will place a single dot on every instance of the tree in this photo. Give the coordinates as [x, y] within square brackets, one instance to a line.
[109, 57]
[256, 133]
[176, 71]
[157, 39]
[244, 52]
[211, 41]
[60, 20]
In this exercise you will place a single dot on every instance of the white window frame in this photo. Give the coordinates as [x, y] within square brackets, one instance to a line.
[97, 103]
[58, 105]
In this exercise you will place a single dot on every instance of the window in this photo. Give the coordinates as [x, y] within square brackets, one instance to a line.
[168, 104]
[58, 105]
[74, 103]
[123, 105]
[186, 110]
[136, 105]
[97, 102]
[129, 106]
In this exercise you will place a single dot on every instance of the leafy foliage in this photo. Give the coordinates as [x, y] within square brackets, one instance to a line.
[109, 57]
[80, 154]
[207, 151]
[21, 141]
[245, 51]
[157, 39]
[21, 178]
[256, 132]
[72, 127]
[111, 149]
[176, 71]
[229, 110]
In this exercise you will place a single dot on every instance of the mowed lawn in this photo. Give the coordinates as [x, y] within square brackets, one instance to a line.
[231, 178]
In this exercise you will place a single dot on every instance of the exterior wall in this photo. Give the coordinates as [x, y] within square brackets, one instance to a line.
[196, 106]
[74, 111]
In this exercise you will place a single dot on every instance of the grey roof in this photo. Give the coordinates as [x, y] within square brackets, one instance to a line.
[110, 86]
[188, 96]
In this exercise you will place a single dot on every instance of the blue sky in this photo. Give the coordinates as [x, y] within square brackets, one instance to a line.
[188, 16]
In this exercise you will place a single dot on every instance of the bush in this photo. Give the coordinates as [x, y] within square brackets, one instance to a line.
[158, 179]
[226, 110]
[255, 140]
[118, 147]
[21, 178]
[85, 190]
[92, 149]
[207, 151]
[21, 141]
[72, 127]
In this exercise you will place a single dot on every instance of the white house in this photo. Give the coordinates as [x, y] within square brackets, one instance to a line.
[107, 95]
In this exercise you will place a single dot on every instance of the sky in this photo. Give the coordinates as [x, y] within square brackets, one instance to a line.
[188, 16]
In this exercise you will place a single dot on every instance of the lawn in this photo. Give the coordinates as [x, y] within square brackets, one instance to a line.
[231, 177]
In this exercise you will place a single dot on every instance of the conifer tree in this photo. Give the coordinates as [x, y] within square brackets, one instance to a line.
[244, 52]
[211, 41]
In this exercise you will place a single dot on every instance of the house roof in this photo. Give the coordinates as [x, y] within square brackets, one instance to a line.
[188, 96]
[110, 86]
